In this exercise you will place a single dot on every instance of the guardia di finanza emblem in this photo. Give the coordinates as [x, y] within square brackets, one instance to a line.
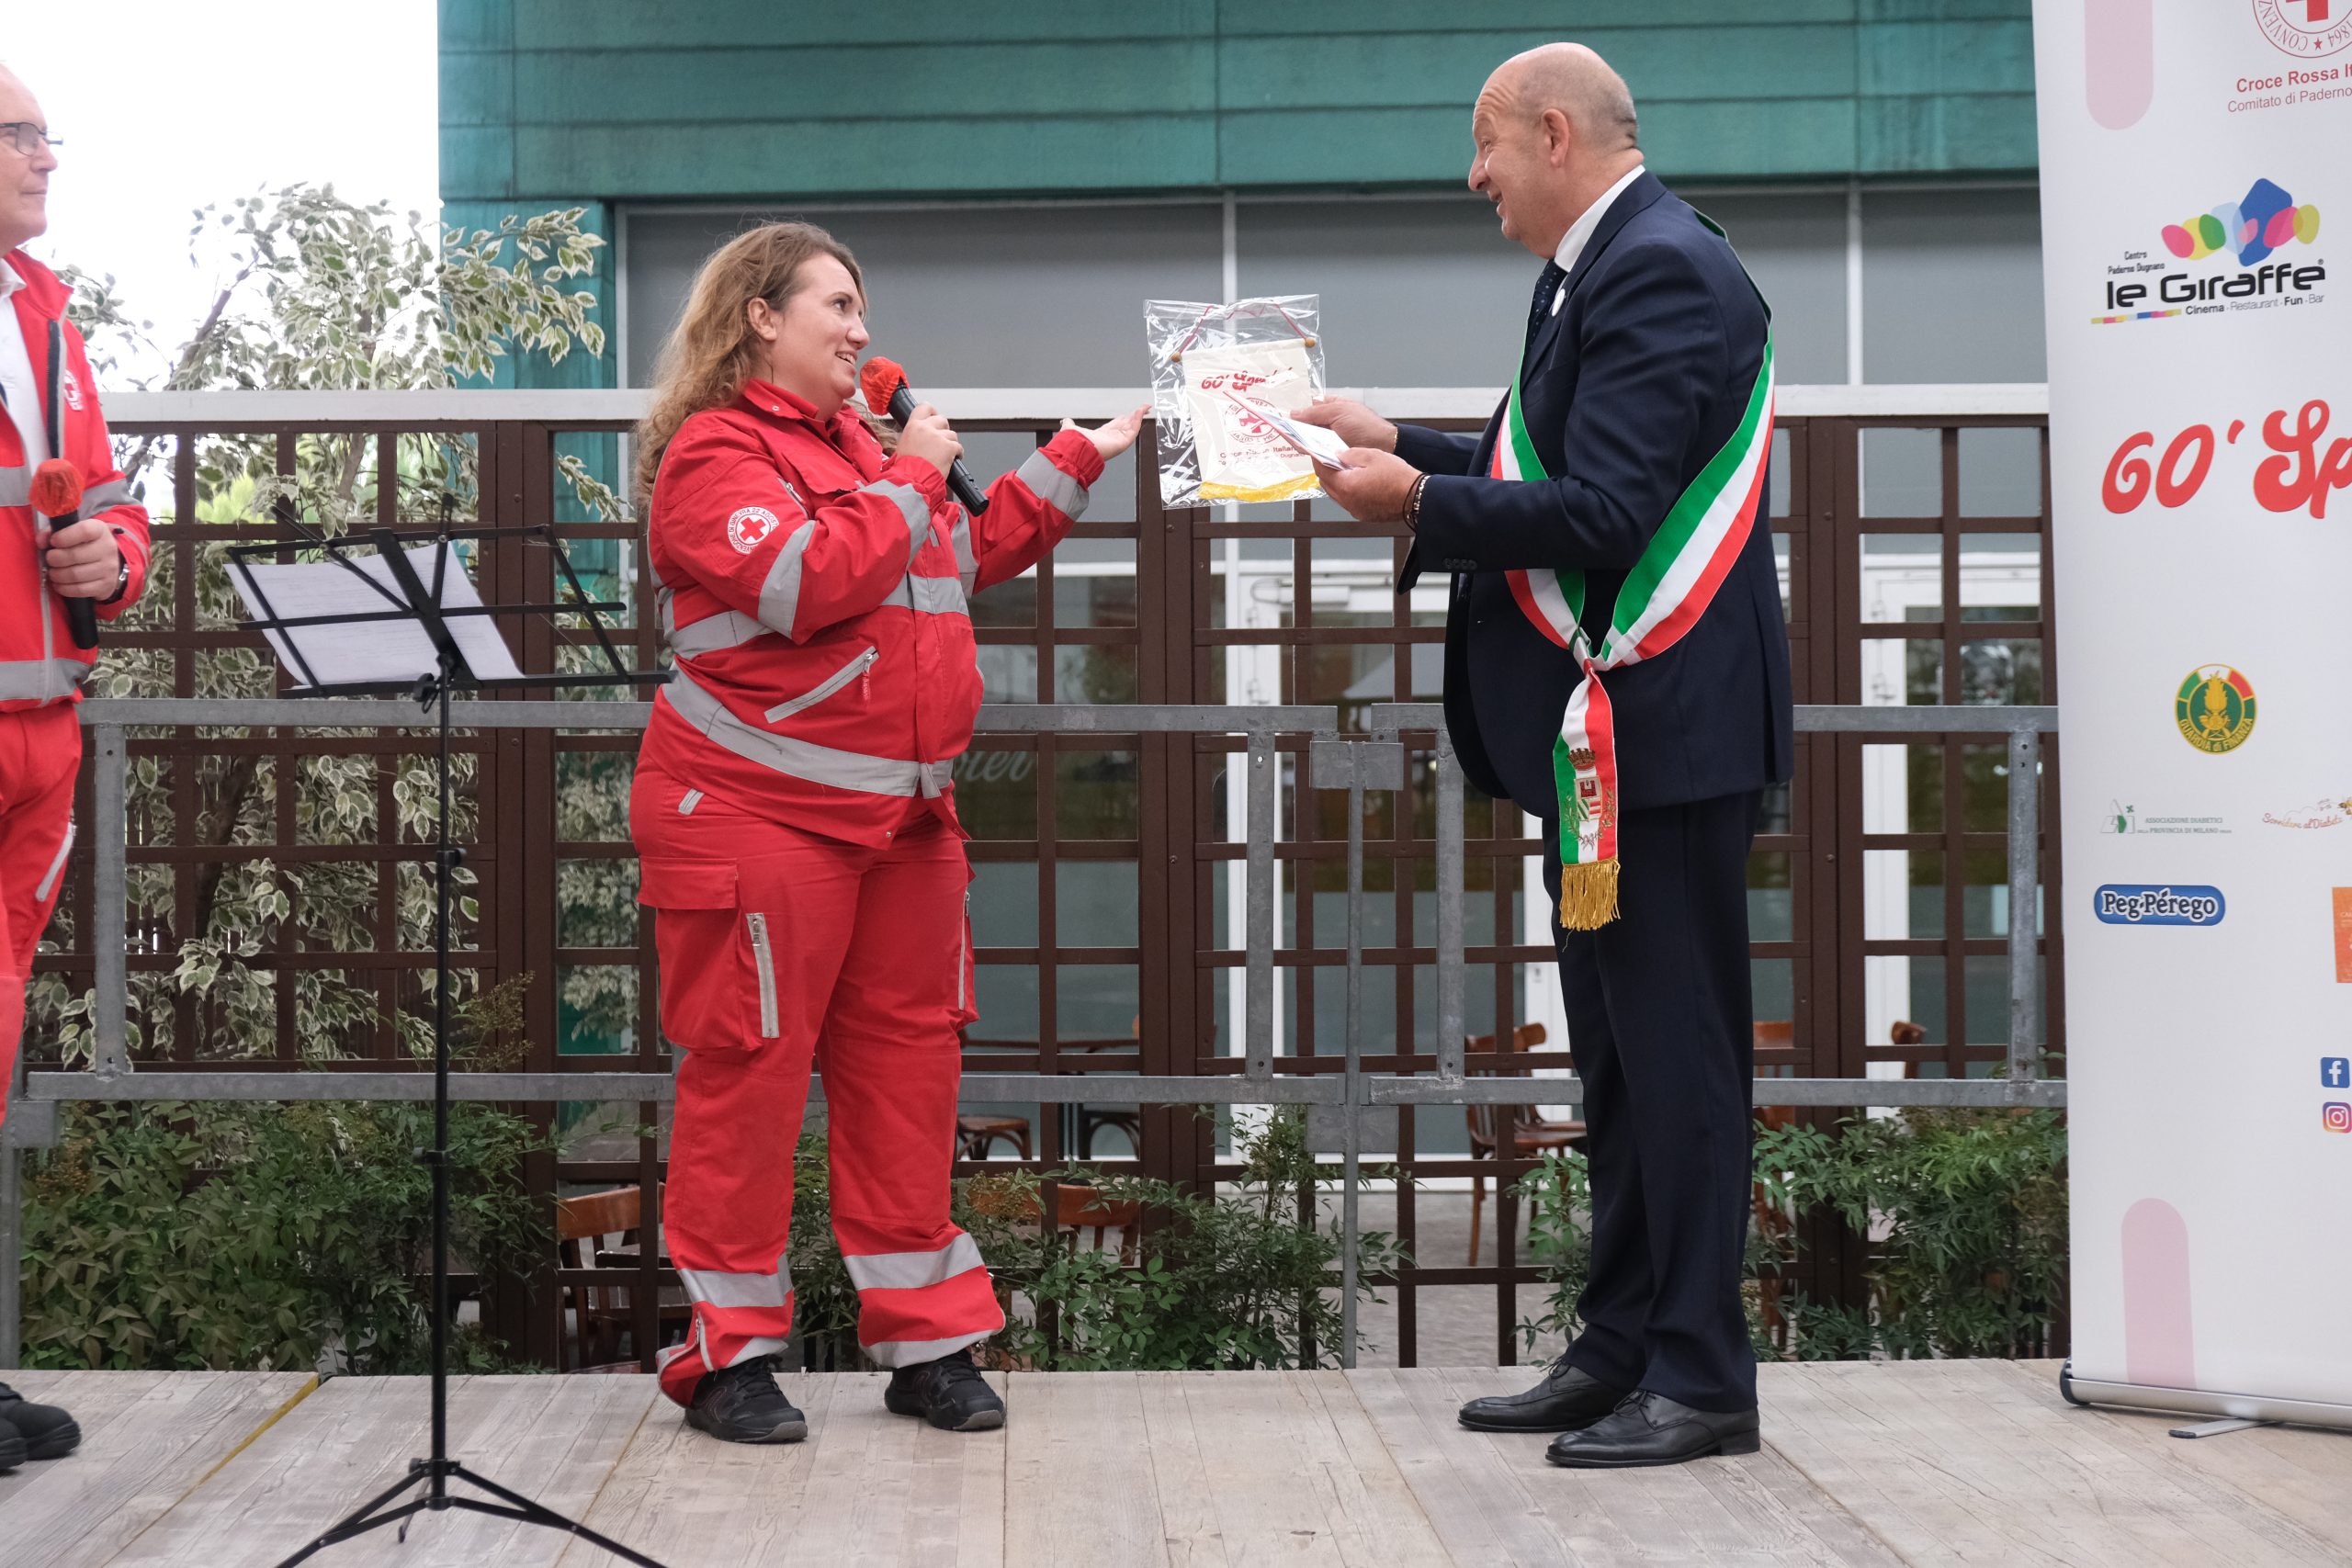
[2214, 708]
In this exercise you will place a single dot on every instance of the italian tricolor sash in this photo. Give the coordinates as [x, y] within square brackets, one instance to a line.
[1667, 592]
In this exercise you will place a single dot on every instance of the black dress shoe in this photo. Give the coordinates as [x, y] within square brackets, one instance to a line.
[46, 1431]
[1567, 1400]
[1649, 1428]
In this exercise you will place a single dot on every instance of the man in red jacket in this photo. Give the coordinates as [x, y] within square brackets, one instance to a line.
[53, 411]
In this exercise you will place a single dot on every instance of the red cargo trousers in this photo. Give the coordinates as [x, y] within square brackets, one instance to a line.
[40, 752]
[779, 948]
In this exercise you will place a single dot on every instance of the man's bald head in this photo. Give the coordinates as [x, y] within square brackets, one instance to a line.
[1554, 129]
[24, 177]
[1580, 84]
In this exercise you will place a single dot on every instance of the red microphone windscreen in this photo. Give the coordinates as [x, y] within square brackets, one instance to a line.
[57, 488]
[878, 379]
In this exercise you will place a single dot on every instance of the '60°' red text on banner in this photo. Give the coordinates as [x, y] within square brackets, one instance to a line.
[2298, 475]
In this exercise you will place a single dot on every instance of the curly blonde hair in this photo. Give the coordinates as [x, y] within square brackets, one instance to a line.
[712, 350]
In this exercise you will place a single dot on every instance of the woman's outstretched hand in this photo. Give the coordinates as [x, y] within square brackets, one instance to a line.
[1115, 437]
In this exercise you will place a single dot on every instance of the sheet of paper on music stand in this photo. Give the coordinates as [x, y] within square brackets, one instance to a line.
[358, 652]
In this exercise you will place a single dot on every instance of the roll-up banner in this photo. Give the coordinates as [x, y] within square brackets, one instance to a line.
[2196, 160]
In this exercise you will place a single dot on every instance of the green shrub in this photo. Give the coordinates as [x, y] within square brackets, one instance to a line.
[1243, 1277]
[169, 1236]
[1968, 1207]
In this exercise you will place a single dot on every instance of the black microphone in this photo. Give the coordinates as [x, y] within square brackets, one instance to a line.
[885, 385]
[81, 615]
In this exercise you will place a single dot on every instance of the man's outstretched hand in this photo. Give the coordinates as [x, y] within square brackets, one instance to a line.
[1351, 422]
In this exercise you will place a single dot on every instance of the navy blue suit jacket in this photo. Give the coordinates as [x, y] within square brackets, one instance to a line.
[1630, 388]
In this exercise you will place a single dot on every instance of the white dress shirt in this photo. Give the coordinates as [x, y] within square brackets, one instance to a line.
[17, 374]
[1579, 235]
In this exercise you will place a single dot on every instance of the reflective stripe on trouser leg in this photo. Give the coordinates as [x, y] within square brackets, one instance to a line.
[12, 1030]
[727, 1211]
[890, 1057]
[39, 757]
[904, 1297]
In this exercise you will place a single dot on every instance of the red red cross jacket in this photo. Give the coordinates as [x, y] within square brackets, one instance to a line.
[814, 593]
[38, 662]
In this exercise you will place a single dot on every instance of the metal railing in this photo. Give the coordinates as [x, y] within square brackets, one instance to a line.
[1351, 1097]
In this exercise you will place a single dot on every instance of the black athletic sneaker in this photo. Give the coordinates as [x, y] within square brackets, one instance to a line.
[742, 1404]
[46, 1431]
[12, 1449]
[950, 1394]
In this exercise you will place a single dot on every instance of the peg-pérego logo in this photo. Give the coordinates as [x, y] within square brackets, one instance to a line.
[2129, 904]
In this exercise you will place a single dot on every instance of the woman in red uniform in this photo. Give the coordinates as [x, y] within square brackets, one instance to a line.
[796, 824]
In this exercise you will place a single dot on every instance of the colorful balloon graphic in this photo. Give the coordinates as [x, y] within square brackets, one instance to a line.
[2249, 229]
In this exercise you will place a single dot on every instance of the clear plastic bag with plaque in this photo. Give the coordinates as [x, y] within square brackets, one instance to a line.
[1210, 364]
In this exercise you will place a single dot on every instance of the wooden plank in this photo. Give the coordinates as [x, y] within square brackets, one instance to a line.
[2298, 1472]
[1172, 1443]
[957, 1515]
[1961, 1461]
[1071, 1492]
[685, 1497]
[1475, 1496]
[1752, 1509]
[1282, 1480]
[866, 1486]
[889, 1489]
[555, 1439]
[147, 1438]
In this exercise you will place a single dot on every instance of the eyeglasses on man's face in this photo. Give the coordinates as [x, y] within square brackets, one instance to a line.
[28, 138]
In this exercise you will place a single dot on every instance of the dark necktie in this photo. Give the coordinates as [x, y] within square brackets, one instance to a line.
[1545, 287]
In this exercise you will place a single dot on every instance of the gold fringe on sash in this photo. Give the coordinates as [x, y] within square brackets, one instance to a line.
[1588, 895]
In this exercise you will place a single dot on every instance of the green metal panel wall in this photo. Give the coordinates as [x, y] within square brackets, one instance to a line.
[752, 100]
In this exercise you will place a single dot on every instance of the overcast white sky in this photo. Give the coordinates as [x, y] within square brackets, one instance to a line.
[166, 105]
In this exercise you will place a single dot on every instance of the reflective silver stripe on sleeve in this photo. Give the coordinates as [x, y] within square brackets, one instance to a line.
[15, 487]
[1052, 485]
[801, 759]
[891, 1353]
[22, 678]
[712, 1288]
[929, 596]
[913, 1271]
[913, 509]
[968, 565]
[780, 593]
[729, 628]
[98, 498]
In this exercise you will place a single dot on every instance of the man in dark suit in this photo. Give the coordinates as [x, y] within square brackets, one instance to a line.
[1620, 487]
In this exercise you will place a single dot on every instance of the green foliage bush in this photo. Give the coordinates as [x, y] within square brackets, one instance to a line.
[166, 1236]
[1967, 1209]
[169, 1236]
[1242, 1278]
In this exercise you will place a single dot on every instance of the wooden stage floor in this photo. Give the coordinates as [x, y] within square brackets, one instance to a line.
[1973, 1462]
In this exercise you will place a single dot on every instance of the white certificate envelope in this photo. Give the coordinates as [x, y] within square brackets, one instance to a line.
[372, 651]
[1323, 446]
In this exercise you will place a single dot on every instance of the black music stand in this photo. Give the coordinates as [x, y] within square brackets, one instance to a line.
[411, 600]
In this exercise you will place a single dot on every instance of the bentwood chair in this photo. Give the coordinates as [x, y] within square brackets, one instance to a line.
[1529, 1132]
